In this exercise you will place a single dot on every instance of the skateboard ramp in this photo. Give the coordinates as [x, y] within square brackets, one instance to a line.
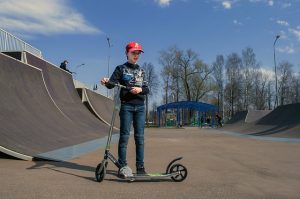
[100, 105]
[238, 117]
[32, 124]
[284, 121]
[283, 115]
[255, 115]
[62, 90]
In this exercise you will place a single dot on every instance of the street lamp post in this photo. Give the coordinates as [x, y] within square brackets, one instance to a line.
[75, 72]
[108, 59]
[275, 67]
[79, 65]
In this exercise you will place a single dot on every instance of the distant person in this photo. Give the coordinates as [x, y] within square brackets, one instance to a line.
[63, 66]
[208, 121]
[132, 108]
[219, 119]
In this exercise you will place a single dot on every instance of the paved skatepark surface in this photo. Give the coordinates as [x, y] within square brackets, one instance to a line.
[219, 166]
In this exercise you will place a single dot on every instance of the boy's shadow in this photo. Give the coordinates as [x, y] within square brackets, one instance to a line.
[55, 165]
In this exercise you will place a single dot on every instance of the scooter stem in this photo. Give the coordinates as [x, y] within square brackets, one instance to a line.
[112, 122]
[118, 85]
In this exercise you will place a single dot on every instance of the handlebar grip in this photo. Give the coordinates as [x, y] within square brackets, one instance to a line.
[117, 85]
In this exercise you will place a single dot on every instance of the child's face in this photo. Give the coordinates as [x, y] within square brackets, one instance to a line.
[133, 56]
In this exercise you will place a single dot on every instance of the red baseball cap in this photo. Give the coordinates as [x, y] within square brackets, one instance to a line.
[132, 46]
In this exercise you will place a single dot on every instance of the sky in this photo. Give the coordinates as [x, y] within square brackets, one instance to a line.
[77, 30]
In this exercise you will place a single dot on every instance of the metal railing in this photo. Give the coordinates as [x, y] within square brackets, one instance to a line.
[10, 43]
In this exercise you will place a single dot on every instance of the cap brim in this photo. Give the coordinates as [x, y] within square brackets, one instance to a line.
[135, 49]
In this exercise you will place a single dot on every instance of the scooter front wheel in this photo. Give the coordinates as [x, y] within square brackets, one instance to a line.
[100, 172]
[181, 170]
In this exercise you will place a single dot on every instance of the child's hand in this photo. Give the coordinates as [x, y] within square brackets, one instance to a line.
[136, 90]
[104, 80]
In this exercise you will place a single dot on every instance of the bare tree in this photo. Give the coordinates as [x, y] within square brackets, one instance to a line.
[153, 113]
[185, 62]
[284, 81]
[233, 87]
[262, 92]
[153, 82]
[249, 65]
[182, 71]
[218, 67]
[193, 75]
[201, 81]
[295, 87]
[168, 61]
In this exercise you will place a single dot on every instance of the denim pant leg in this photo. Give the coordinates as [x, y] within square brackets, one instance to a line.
[126, 113]
[138, 124]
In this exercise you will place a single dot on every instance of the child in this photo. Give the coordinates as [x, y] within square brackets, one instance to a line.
[132, 108]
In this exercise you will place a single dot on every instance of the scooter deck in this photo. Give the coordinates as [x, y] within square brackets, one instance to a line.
[151, 175]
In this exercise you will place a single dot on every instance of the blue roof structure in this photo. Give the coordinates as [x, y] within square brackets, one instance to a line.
[199, 106]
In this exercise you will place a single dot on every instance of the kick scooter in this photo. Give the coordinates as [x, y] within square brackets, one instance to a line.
[177, 172]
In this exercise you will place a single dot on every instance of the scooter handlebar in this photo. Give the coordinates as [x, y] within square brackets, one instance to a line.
[117, 85]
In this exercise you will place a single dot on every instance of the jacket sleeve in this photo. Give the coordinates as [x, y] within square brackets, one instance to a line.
[145, 90]
[115, 77]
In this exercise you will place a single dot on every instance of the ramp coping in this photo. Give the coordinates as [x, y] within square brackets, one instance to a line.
[86, 97]
[15, 154]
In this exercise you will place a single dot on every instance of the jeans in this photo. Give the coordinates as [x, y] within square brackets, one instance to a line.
[130, 113]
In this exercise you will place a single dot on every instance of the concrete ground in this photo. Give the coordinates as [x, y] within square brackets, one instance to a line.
[219, 166]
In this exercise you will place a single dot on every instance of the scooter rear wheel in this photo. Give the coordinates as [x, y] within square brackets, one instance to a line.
[182, 172]
[100, 172]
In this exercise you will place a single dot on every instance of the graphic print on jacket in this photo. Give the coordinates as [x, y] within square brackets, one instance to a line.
[135, 77]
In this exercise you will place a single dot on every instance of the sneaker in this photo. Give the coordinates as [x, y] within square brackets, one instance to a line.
[125, 172]
[141, 171]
